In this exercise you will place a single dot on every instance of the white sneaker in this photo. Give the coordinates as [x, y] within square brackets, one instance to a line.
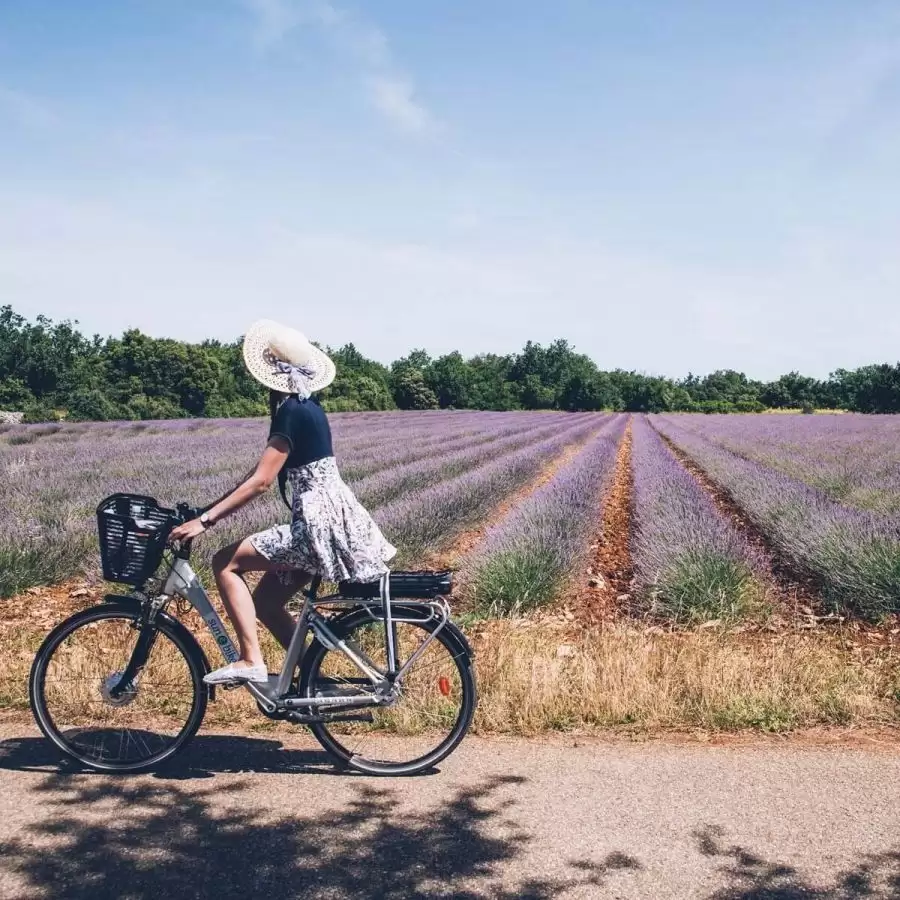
[232, 674]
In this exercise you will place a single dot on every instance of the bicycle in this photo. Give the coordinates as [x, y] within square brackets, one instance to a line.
[378, 672]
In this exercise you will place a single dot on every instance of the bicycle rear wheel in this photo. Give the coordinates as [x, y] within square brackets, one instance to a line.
[430, 716]
[83, 659]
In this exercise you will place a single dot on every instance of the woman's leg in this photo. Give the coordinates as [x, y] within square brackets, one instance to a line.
[229, 565]
[270, 596]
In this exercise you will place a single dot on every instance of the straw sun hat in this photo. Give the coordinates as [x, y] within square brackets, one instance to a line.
[282, 358]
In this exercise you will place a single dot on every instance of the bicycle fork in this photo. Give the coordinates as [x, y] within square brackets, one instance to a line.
[147, 634]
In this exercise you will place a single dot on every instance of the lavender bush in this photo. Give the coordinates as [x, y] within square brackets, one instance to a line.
[690, 564]
[853, 459]
[428, 520]
[854, 555]
[368, 456]
[394, 481]
[54, 476]
[525, 558]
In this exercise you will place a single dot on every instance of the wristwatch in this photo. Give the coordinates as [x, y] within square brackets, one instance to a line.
[206, 521]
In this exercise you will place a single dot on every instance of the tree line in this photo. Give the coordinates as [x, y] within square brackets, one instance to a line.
[50, 369]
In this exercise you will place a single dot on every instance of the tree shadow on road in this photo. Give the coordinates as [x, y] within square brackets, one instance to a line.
[139, 838]
[750, 877]
[204, 757]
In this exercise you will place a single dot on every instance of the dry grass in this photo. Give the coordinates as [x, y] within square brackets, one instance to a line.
[534, 680]
[539, 677]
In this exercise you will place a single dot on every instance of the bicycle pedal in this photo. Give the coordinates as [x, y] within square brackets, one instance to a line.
[231, 685]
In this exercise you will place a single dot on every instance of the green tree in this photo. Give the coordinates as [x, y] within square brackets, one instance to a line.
[871, 389]
[450, 379]
[359, 384]
[92, 405]
[14, 394]
[39, 355]
[724, 386]
[47, 366]
[409, 387]
[491, 386]
[792, 391]
[411, 391]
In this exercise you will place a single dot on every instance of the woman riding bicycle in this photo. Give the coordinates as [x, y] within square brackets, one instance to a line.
[330, 534]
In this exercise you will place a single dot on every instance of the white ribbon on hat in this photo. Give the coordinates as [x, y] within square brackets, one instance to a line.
[298, 376]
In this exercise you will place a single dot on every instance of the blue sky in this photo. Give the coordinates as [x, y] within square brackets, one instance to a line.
[670, 185]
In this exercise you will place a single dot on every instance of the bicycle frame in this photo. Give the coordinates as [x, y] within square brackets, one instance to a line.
[273, 697]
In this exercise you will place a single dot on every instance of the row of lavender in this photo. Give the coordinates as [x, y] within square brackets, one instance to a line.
[853, 554]
[853, 459]
[423, 522]
[542, 543]
[387, 484]
[50, 485]
[690, 564]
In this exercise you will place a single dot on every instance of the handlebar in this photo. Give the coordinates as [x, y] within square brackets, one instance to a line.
[186, 512]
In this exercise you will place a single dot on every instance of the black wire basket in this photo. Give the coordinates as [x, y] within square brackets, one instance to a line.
[133, 532]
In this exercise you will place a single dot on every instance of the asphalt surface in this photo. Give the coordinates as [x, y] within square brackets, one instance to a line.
[245, 817]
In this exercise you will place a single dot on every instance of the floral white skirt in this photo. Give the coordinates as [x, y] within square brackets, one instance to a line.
[330, 534]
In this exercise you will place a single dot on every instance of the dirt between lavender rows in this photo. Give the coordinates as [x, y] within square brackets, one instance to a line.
[603, 592]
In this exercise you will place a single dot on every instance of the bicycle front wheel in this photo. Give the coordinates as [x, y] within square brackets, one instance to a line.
[83, 659]
[433, 708]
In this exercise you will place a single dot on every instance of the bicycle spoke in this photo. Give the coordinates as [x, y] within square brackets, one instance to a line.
[425, 709]
[145, 719]
[418, 666]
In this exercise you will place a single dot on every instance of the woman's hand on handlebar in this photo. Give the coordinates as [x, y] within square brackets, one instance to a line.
[188, 531]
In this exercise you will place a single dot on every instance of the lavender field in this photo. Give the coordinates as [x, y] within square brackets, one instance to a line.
[851, 555]
[851, 458]
[515, 501]
[425, 476]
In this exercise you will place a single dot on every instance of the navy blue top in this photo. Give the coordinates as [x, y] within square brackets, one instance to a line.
[304, 425]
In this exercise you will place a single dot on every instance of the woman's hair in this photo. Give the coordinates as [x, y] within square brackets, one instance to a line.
[276, 398]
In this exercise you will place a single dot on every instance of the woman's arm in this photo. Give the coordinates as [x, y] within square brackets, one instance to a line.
[259, 482]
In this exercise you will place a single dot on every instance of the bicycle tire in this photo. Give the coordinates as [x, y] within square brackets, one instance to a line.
[173, 631]
[452, 640]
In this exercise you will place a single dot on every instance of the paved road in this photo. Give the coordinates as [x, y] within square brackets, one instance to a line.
[244, 817]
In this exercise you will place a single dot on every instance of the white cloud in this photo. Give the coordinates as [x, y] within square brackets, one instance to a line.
[391, 91]
[275, 19]
[394, 97]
